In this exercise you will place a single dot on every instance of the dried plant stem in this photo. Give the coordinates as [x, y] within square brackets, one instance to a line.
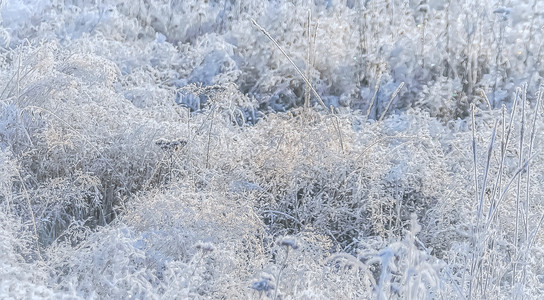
[19, 77]
[391, 100]
[278, 277]
[314, 42]
[423, 40]
[484, 95]
[518, 196]
[474, 157]
[308, 49]
[448, 5]
[476, 191]
[338, 130]
[376, 88]
[209, 140]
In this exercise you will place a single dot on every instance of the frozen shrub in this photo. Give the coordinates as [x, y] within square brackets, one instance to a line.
[70, 154]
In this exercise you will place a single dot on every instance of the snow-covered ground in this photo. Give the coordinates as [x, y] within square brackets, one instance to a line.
[275, 149]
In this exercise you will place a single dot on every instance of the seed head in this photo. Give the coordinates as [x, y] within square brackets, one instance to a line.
[288, 242]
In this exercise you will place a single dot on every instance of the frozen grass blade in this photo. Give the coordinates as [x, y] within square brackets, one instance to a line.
[391, 100]
[476, 192]
[486, 173]
[209, 138]
[474, 157]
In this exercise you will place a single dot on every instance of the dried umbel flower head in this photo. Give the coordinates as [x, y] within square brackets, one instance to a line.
[205, 247]
[263, 285]
[171, 144]
[288, 242]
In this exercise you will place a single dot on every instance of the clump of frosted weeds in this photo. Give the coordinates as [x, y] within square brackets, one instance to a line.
[141, 155]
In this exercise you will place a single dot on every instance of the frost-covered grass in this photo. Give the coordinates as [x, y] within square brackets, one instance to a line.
[170, 150]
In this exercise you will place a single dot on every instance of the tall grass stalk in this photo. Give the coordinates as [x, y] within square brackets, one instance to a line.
[423, 8]
[447, 32]
[475, 163]
[209, 138]
[518, 188]
[308, 50]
